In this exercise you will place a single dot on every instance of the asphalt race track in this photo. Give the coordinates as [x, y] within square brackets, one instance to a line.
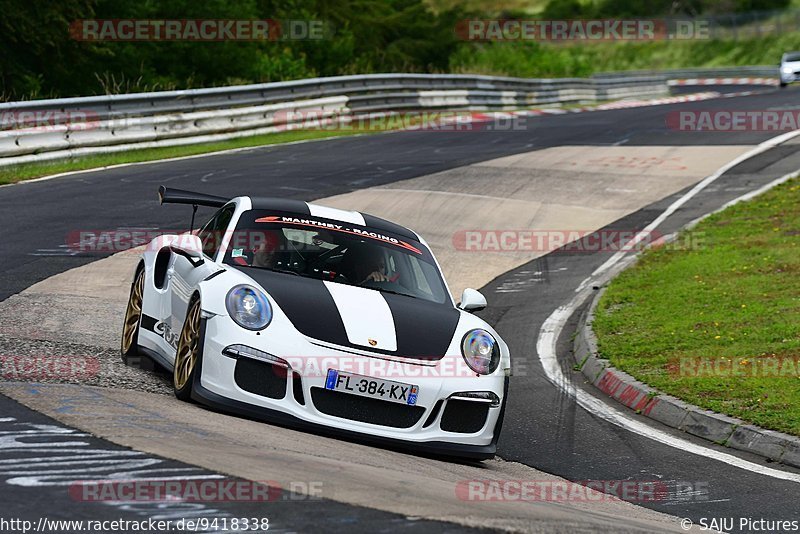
[544, 428]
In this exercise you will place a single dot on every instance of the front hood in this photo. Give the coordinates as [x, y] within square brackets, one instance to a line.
[361, 318]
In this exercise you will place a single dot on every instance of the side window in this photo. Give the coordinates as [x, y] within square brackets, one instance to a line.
[419, 276]
[213, 231]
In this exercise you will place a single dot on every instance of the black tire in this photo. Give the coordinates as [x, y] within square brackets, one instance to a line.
[783, 85]
[188, 353]
[129, 344]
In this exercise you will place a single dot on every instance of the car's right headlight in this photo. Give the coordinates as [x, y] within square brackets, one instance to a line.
[248, 307]
[481, 351]
[786, 70]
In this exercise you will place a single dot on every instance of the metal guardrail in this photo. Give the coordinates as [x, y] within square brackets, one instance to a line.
[111, 123]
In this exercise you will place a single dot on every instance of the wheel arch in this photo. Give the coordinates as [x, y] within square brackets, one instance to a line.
[161, 266]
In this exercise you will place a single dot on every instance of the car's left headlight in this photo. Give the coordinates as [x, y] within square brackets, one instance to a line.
[481, 351]
[249, 307]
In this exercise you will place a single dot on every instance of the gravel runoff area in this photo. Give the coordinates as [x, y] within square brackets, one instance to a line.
[43, 340]
[46, 361]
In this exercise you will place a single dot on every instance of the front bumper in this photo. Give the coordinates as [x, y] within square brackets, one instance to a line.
[438, 424]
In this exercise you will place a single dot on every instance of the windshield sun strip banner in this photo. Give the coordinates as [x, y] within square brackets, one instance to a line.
[339, 228]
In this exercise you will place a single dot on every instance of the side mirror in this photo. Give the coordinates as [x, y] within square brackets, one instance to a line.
[190, 247]
[472, 300]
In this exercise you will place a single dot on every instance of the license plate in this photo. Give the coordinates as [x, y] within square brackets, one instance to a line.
[375, 388]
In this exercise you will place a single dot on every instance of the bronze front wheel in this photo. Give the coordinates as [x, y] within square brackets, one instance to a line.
[187, 355]
[133, 316]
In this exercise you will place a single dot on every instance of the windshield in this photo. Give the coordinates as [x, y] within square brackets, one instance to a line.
[791, 56]
[335, 251]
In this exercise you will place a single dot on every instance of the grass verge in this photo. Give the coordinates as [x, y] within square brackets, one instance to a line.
[715, 318]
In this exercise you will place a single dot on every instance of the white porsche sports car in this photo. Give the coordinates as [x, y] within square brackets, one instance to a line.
[319, 318]
[789, 68]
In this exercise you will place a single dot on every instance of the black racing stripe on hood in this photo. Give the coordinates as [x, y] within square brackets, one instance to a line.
[424, 329]
[306, 302]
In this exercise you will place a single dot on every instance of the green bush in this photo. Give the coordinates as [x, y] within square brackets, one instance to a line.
[40, 59]
[532, 59]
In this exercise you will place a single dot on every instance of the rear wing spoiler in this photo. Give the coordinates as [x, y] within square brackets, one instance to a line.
[168, 195]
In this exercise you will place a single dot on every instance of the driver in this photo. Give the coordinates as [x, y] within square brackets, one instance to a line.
[372, 268]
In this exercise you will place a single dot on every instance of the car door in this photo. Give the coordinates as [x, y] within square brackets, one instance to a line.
[186, 274]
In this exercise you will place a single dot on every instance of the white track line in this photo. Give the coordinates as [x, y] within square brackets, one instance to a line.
[752, 194]
[552, 327]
